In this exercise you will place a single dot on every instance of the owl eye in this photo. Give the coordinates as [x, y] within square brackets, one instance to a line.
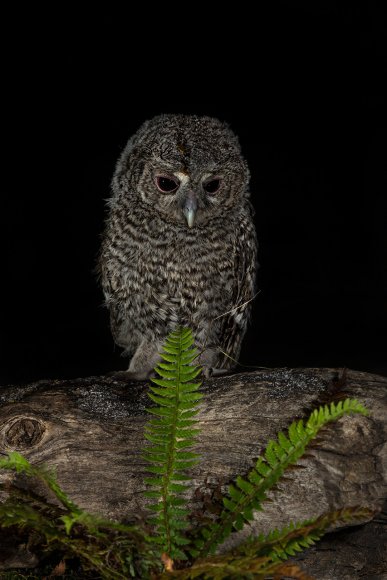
[166, 184]
[212, 186]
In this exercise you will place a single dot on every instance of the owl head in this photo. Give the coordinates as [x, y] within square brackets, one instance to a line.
[187, 169]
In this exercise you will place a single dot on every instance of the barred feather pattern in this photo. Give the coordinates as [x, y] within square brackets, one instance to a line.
[157, 273]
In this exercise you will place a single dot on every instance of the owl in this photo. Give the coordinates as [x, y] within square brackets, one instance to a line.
[179, 246]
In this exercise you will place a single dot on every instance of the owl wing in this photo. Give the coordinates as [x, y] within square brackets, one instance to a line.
[234, 323]
[115, 298]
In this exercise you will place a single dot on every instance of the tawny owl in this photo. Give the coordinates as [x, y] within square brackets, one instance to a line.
[179, 246]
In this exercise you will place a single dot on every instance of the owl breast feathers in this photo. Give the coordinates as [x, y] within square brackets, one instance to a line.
[179, 246]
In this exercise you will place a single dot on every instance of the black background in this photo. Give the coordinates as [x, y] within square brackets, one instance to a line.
[301, 85]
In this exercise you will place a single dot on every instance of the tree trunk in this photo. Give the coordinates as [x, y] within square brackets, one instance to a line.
[92, 430]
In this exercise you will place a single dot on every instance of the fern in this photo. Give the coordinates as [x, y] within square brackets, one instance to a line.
[248, 494]
[171, 434]
[263, 555]
[106, 547]
[17, 462]
[288, 541]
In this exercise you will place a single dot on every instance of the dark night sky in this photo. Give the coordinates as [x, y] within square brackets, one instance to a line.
[303, 89]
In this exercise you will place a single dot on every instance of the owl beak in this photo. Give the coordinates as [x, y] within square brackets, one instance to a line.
[189, 208]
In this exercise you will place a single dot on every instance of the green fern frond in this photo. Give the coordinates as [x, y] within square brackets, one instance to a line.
[104, 546]
[286, 542]
[16, 462]
[263, 556]
[170, 437]
[74, 514]
[248, 494]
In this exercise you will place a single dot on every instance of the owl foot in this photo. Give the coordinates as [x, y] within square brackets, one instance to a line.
[209, 372]
[130, 376]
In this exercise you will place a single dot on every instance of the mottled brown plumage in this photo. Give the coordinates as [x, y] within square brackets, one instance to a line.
[179, 247]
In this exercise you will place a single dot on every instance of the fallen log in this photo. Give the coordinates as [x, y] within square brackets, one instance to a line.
[91, 430]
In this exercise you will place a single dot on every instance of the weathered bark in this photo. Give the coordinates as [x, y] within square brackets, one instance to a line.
[92, 431]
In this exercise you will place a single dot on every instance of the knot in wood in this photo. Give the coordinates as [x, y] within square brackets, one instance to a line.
[24, 432]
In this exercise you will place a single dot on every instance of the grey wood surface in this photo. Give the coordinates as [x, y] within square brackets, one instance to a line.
[91, 430]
